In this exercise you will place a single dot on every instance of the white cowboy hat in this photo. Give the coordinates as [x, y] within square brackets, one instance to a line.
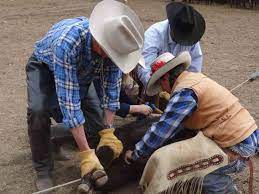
[170, 62]
[119, 31]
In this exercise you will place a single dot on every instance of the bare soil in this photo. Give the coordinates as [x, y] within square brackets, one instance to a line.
[231, 53]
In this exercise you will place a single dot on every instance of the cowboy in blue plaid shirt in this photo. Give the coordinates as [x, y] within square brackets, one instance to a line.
[65, 62]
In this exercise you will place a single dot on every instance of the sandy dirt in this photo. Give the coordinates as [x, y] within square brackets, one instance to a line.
[231, 53]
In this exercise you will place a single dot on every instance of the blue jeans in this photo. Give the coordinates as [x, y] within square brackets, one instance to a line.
[219, 181]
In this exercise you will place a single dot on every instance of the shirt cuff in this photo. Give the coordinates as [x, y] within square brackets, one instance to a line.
[124, 110]
[112, 106]
[76, 121]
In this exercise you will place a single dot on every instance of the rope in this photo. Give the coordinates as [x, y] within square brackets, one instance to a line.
[239, 85]
[252, 77]
[58, 186]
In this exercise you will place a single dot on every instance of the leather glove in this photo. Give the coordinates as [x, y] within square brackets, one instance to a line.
[109, 139]
[164, 95]
[89, 162]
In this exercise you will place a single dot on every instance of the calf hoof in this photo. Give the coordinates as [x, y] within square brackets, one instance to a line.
[86, 185]
[99, 177]
[105, 155]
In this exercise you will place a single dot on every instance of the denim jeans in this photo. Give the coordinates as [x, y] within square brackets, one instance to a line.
[219, 181]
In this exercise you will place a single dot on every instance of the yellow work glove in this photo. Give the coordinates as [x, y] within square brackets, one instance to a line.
[89, 162]
[109, 139]
[164, 95]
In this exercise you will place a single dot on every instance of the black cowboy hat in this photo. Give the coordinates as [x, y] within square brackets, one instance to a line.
[187, 25]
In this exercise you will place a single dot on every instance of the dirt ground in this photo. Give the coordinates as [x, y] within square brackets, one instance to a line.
[231, 53]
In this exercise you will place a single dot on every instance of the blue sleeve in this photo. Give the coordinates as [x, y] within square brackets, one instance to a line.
[67, 87]
[180, 106]
[111, 85]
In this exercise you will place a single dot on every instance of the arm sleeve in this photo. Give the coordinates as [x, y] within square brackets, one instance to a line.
[67, 87]
[150, 51]
[196, 55]
[181, 105]
[111, 85]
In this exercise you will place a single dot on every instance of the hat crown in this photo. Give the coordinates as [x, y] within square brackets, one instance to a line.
[119, 32]
[162, 65]
[165, 57]
[187, 25]
[122, 34]
[160, 61]
[185, 19]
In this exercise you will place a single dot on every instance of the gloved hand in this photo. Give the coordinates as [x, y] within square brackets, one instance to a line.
[92, 172]
[89, 162]
[109, 139]
[164, 95]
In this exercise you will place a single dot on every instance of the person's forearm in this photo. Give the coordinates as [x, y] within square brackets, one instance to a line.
[108, 117]
[80, 138]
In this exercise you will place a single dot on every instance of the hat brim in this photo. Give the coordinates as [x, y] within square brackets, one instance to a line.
[106, 9]
[190, 38]
[153, 86]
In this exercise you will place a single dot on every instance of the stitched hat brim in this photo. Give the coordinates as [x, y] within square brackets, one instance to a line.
[153, 86]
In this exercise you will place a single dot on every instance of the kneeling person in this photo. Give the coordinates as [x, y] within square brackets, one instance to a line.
[198, 103]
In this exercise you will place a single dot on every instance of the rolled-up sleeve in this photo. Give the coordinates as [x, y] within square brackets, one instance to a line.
[150, 52]
[67, 87]
[112, 86]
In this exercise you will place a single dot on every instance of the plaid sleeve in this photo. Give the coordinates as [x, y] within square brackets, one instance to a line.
[181, 105]
[67, 86]
[112, 85]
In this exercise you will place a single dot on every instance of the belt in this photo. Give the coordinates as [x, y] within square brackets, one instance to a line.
[235, 156]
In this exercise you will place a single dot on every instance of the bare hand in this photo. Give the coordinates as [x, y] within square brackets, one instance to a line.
[145, 109]
[142, 108]
[128, 157]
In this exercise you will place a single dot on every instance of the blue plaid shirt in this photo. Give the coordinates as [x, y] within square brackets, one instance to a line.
[67, 49]
[181, 105]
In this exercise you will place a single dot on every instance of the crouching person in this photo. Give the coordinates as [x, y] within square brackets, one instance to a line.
[60, 71]
[227, 133]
